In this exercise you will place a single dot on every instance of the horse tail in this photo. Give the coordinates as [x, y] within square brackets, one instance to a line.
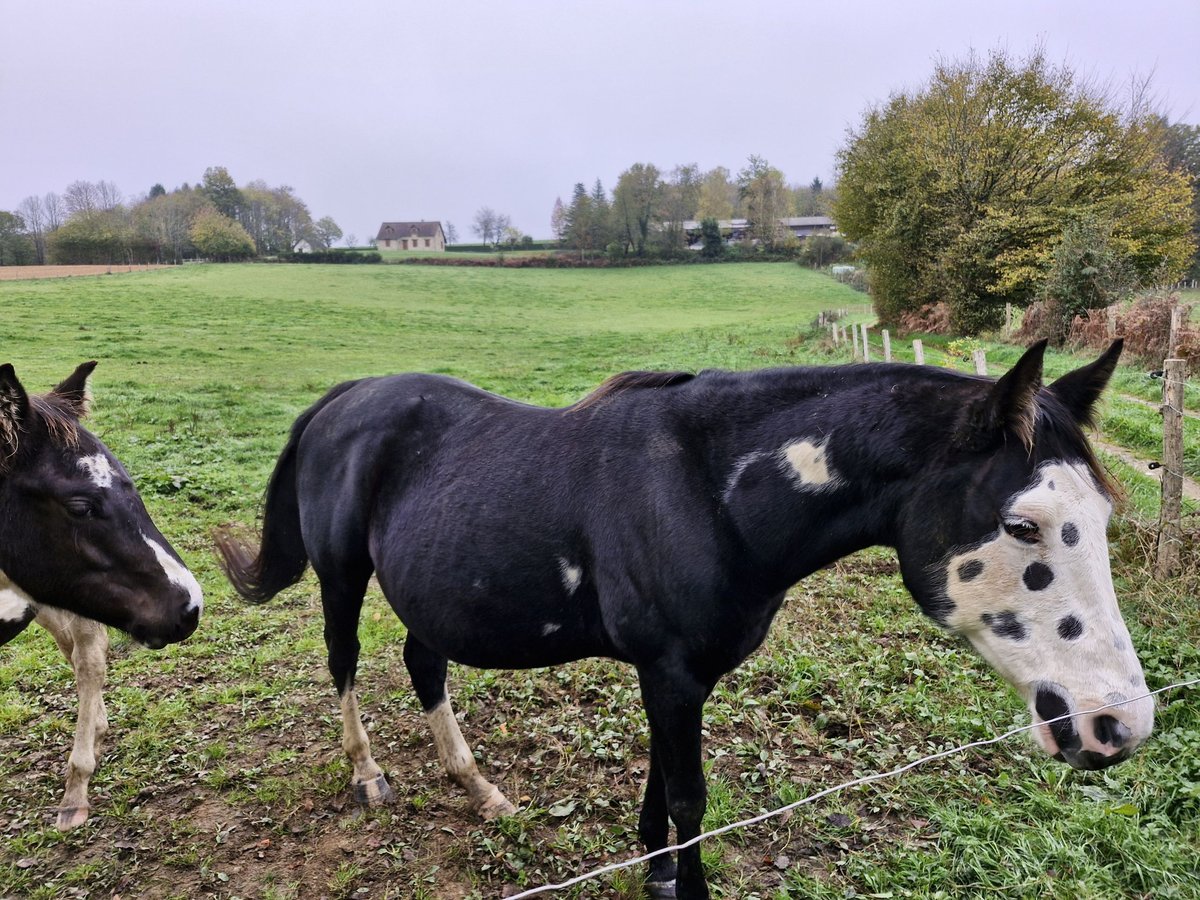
[281, 557]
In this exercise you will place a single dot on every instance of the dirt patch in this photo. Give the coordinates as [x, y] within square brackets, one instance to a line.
[26, 273]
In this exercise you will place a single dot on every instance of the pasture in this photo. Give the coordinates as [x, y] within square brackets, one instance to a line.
[223, 776]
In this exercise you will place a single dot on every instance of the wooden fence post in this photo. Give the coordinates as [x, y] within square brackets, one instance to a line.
[887, 346]
[1170, 517]
[919, 352]
[1112, 322]
[854, 332]
[1008, 317]
[980, 362]
[1176, 328]
[866, 346]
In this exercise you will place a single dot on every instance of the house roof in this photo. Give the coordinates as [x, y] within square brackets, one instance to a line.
[391, 231]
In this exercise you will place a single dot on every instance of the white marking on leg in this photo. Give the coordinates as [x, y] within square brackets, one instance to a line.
[572, 576]
[357, 746]
[178, 574]
[84, 642]
[807, 464]
[549, 628]
[99, 469]
[459, 763]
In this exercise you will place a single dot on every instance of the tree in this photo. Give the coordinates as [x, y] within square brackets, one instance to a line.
[717, 195]
[486, 226]
[558, 220]
[451, 233]
[33, 211]
[219, 237]
[1087, 271]
[1181, 151]
[579, 231]
[326, 231]
[713, 244]
[156, 190]
[16, 246]
[680, 199]
[765, 201]
[637, 201]
[962, 190]
[163, 223]
[222, 191]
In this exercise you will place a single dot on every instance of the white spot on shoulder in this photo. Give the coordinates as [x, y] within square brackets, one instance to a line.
[549, 628]
[572, 576]
[808, 465]
[14, 602]
[99, 469]
[178, 574]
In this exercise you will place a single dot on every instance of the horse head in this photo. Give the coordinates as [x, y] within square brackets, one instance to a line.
[74, 532]
[1007, 546]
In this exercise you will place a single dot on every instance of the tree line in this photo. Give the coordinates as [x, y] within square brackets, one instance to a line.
[646, 212]
[92, 222]
[1012, 180]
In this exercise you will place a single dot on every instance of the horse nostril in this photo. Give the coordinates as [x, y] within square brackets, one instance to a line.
[1111, 731]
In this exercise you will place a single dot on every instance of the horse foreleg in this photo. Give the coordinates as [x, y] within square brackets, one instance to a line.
[654, 830]
[674, 705]
[85, 645]
[428, 672]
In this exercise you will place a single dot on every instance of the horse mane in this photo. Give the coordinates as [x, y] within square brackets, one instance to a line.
[627, 381]
[56, 414]
[1057, 426]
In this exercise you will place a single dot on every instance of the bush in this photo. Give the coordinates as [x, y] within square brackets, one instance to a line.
[350, 257]
[1145, 326]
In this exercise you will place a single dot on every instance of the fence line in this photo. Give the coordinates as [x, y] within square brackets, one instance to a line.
[866, 779]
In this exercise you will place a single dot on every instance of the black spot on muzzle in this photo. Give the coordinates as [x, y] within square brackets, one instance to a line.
[1050, 705]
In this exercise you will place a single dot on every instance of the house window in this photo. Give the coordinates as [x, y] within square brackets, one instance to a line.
[404, 245]
[426, 242]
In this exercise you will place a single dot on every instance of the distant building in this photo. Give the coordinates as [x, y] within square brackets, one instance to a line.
[303, 246]
[734, 231]
[411, 236]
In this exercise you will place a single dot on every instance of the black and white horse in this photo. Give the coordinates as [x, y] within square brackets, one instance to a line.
[660, 521]
[78, 551]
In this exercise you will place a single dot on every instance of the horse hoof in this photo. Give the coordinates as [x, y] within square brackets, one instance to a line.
[495, 806]
[71, 817]
[375, 792]
[661, 890]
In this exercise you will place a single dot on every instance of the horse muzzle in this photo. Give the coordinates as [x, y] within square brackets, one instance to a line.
[1093, 740]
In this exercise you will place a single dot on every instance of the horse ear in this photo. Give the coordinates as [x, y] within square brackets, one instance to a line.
[1008, 406]
[1079, 390]
[14, 407]
[74, 389]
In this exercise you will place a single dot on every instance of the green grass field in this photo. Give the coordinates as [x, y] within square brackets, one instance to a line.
[223, 776]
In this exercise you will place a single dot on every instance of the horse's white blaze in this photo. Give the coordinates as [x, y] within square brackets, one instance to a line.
[1046, 613]
[14, 602]
[99, 469]
[808, 465]
[572, 576]
[178, 574]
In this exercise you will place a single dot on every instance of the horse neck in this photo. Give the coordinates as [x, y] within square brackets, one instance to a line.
[814, 464]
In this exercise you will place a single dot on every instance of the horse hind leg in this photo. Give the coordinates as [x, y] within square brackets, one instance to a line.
[85, 645]
[342, 606]
[428, 672]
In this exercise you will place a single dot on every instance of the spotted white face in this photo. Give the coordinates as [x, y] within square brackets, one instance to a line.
[1037, 600]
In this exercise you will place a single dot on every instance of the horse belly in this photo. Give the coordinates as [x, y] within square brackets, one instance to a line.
[515, 613]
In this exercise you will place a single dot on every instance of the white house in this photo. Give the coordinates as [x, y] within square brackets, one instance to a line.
[411, 236]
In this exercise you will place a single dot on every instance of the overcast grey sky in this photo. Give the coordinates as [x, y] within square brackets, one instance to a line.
[401, 110]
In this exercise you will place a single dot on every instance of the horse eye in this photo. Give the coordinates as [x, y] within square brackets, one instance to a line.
[81, 508]
[1022, 529]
